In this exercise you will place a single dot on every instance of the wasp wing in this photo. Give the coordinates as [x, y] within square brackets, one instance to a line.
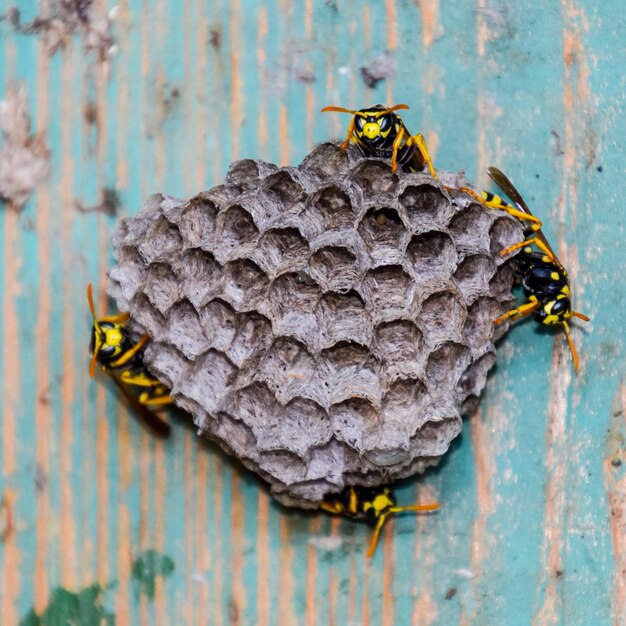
[147, 417]
[500, 179]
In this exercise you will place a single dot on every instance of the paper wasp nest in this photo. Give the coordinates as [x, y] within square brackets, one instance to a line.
[327, 324]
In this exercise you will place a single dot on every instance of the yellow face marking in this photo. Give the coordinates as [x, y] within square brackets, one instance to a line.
[371, 130]
[113, 337]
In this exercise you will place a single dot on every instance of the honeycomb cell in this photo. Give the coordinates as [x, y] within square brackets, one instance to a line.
[244, 284]
[218, 320]
[383, 233]
[342, 317]
[200, 276]
[282, 250]
[246, 174]
[503, 233]
[431, 256]
[470, 229]
[283, 190]
[398, 345]
[473, 380]
[479, 326]
[161, 287]
[327, 161]
[161, 242]
[253, 335]
[237, 233]
[389, 292]
[447, 363]
[334, 268]
[426, 207]
[374, 177]
[184, 330]
[442, 317]
[474, 274]
[331, 208]
[197, 223]
[352, 419]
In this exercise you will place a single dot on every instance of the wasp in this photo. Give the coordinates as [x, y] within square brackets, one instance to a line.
[372, 504]
[122, 359]
[542, 275]
[378, 132]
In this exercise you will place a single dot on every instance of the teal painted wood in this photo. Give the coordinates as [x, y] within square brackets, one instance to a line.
[533, 523]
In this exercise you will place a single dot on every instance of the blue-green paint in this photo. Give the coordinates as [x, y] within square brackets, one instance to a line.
[147, 567]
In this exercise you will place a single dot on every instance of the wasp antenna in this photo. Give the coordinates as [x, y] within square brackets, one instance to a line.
[374, 542]
[580, 316]
[338, 110]
[572, 347]
[398, 107]
[415, 507]
[92, 308]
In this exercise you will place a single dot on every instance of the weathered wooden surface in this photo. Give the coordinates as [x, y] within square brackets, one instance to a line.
[533, 523]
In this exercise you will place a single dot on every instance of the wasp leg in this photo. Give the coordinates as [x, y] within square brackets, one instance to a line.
[419, 141]
[522, 244]
[345, 144]
[332, 507]
[394, 149]
[129, 354]
[535, 222]
[146, 400]
[521, 311]
[139, 380]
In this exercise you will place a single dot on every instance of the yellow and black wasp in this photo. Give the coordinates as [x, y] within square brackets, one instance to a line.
[372, 504]
[540, 272]
[378, 132]
[122, 359]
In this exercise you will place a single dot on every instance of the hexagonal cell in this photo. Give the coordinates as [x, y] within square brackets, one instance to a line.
[403, 406]
[184, 330]
[473, 275]
[479, 327]
[389, 291]
[334, 268]
[147, 317]
[197, 223]
[283, 189]
[398, 345]
[247, 172]
[201, 276]
[244, 284]
[431, 255]
[425, 206]
[442, 317]
[218, 320]
[280, 250]
[383, 232]
[374, 177]
[161, 286]
[473, 380]
[126, 278]
[327, 160]
[161, 242]
[166, 362]
[341, 317]
[469, 229]
[500, 284]
[286, 368]
[331, 208]
[292, 292]
[352, 419]
[447, 363]
[503, 233]
[353, 373]
[253, 335]
[303, 425]
[237, 232]
[209, 382]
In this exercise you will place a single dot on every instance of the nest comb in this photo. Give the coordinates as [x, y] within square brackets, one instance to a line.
[326, 324]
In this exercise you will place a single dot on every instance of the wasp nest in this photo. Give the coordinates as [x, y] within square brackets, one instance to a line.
[327, 324]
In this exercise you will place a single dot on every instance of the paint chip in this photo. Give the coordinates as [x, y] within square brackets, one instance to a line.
[24, 158]
[330, 543]
[382, 66]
